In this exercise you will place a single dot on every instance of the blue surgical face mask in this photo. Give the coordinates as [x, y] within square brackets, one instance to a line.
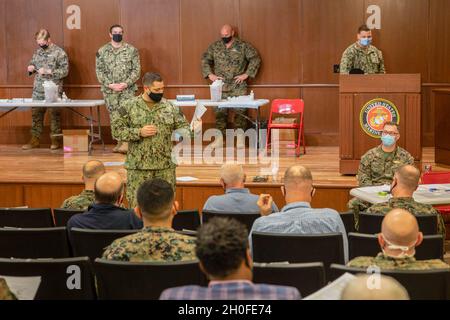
[388, 140]
[365, 42]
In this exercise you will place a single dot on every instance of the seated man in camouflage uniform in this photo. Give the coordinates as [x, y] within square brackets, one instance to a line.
[5, 292]
[91, 171]
[157, 241]
[378, 165]
[406, 181]
[362, 55]
[398, 239]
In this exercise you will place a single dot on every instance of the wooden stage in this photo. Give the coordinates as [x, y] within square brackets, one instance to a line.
[44, 178]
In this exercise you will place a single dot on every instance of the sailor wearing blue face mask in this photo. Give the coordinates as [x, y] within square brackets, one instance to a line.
[362, 55]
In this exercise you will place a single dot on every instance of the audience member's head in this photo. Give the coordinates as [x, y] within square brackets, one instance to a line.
[109, 189]
[156, 203]
[92, 170]
[298, 184]
[399, 234]
[227, 33]
[223, 251]
[405, 182]
[366, 287]
[232, 176]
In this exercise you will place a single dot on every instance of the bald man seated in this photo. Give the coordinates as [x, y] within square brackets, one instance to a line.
[237, 198]
[405, 182]
[106, 212]
[398, 239]
[92, 170]
[297, 216]
[388, 289]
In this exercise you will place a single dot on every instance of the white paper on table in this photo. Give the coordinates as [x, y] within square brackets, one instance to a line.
[24, 288]
[114, 164]
[186, 179]
[200, 110]
[333, 290]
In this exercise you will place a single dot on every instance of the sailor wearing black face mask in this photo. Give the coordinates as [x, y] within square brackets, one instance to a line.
[49, 63]
[118, 69]
[233, 61]
[147, 123]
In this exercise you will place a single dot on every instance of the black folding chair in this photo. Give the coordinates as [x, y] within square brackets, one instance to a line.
[366, 245]
[61, 279]
[34, 243]
[62, 216]
[306, 277]
[143, 280]
[298, 248]
[246, 219]
[370, 223]
[348, 218]
[26, 218]
[186, 220]
[420, 284]
[92, 243]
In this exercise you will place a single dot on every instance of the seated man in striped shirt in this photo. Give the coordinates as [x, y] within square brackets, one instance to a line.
[222, 248]
[297, 217]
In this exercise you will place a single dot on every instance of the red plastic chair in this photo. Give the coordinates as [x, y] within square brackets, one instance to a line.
[435, 177]
[288, 107]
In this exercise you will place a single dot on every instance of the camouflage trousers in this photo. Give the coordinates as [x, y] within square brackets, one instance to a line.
[357, 206]
[240, 120]
[113, 102]
[37, 125]
[136, 177]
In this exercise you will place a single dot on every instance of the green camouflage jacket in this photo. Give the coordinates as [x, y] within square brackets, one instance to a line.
[369, 60]
[389, 263]
[79, 202]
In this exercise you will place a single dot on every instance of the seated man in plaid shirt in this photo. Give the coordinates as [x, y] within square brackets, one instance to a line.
[223, 251]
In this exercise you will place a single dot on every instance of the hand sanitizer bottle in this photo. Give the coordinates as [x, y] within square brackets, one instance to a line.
[252, 95]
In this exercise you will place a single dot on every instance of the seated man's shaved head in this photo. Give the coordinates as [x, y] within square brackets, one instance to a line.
[232, 174]
[109, 188]
[408, 177]
[226, 31]
[296, 176]
[400, 227]
[389, 289]
[93, 169]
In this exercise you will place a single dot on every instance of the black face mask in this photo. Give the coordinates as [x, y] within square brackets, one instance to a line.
[44, 46]
[155, 96]
[226, 39]
[117, 38]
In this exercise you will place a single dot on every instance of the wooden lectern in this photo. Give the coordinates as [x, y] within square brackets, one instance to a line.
[365, 103]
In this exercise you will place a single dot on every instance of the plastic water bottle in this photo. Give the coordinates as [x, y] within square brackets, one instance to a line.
[252, 95]
[428, 168]
[64, 97]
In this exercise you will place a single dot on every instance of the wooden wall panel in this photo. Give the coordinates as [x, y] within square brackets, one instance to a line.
[23, 19]
[328, 27]
[299, 41]
[205, 18]
[11, 195]
[82, 45]
[44, 196]
[272, 27]
[154, 28]
[439, 41]
[3, 52]
[404, 35]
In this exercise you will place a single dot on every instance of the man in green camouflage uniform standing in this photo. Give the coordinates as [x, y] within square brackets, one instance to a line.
[378, 165]
[50, 63]
[398, 239]
[157, 241]
[406, 180]
[362, 55]
[147, 122]
[233, 61]
[118, 69]
[92, 170]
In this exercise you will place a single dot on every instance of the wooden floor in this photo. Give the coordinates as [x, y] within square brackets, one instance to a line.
[43, 178]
